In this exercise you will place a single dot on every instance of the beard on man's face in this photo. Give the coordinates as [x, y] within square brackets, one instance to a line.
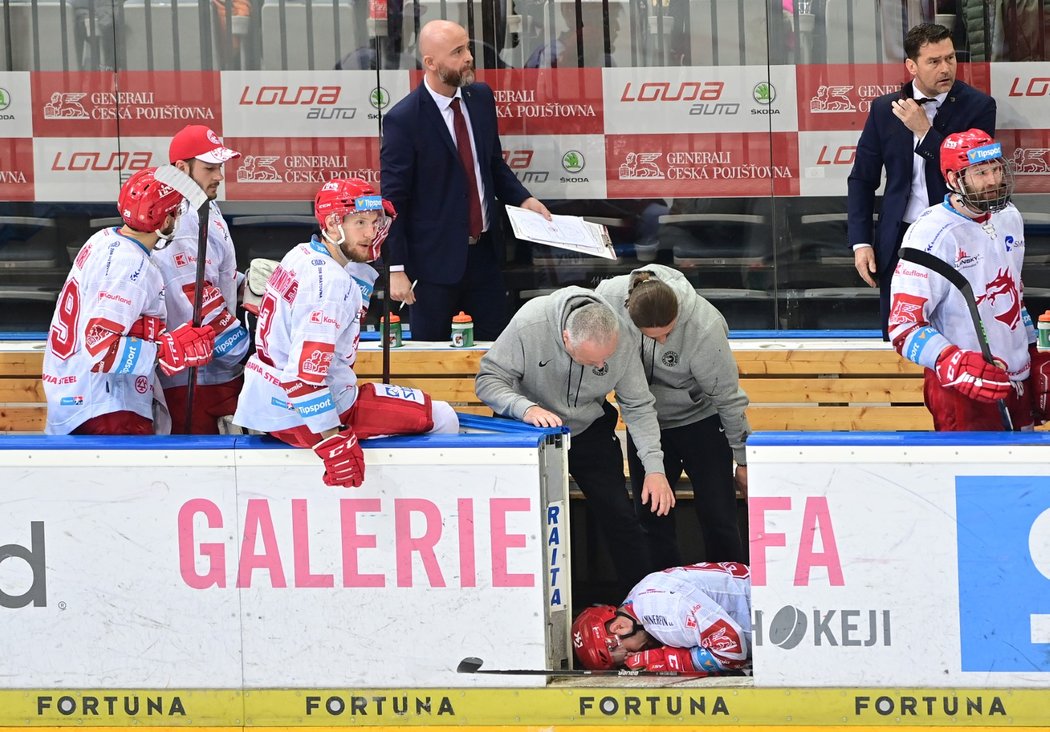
[455, 77]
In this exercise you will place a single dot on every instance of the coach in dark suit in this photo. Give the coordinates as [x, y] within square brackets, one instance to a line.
[444, 185]
[903, 133]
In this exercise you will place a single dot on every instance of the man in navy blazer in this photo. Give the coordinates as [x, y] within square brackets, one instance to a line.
[424, 175]
[903, 133]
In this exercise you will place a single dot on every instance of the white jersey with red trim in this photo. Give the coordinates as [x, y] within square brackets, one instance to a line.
[703, 607]
[927, 313]
[365, 277]
[307, 334]
[112, 284]
[178, 263]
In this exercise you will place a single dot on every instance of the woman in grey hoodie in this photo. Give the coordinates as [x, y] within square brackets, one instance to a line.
[682, 342]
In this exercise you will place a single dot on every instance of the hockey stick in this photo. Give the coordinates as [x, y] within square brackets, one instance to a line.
[169, 175]
[174, 177]
[927, 260]
[472, 665]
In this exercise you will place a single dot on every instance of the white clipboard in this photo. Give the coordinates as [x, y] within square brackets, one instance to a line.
[563, 232]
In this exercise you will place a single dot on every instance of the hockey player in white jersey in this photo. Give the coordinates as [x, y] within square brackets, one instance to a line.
[200, 153]
[694, 620]
[300, 385]
[978, 232]
[108, 333]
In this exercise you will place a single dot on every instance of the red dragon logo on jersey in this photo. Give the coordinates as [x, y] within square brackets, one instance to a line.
[720, 638]
[1003, 286]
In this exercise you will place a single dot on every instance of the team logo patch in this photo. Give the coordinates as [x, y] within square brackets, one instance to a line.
[721, 638]
[906, 309]
[315, 360]
[141, 384]
[670, 359]
[602, 371]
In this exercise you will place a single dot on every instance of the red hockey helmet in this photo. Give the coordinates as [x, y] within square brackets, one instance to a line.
[591, 639]
[145, 203]
[343, 196]
[963, 151]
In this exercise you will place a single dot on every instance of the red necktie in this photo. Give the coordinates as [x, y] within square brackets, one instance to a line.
[466, 157]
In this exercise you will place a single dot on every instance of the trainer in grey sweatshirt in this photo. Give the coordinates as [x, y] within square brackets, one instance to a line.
[693, 375]
[528, 365]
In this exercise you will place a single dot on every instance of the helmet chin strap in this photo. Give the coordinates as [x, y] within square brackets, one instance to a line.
[163, 239]
[336, 247]
[342, 236]
[964, 202]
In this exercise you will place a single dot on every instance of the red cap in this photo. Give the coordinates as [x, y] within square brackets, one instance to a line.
[198, 141]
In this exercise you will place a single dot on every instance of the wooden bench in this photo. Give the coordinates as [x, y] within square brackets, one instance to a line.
[803, 385]
[22, 402]
[872, 390]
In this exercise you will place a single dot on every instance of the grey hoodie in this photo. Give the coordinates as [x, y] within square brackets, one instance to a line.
[693, 375]
[528, 365]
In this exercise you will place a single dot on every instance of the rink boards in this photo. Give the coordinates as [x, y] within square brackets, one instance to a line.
[898, 580]
[550, 708]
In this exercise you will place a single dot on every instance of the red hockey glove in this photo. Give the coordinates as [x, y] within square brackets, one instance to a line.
[213, 307]
[1039, 383]
[663, 659]
[344, 461]
[971, 375]
[185, 346]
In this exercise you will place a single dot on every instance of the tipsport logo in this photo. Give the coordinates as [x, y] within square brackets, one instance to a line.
[1004, 572]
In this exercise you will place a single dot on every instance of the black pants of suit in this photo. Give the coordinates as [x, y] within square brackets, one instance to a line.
[886, 277]
[596, 464]
[702, 451]
[481, 294]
